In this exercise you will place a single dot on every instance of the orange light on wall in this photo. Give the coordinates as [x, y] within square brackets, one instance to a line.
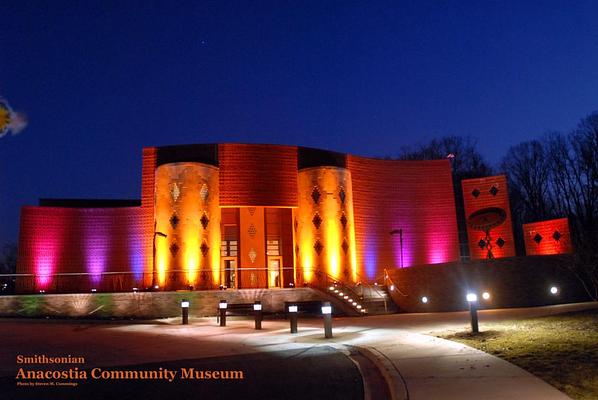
[187, 211]
[325, 227]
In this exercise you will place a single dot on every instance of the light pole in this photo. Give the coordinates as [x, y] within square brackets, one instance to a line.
[327, 313]
[472, 299]
[156, 233]
[400, 233]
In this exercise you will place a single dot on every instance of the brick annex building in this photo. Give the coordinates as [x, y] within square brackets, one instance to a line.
[267, 216]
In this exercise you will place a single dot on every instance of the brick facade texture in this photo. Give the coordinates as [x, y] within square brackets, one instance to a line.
[541, 238]
[258, 175]
[477, 195]
[415, 196]
[90, 240]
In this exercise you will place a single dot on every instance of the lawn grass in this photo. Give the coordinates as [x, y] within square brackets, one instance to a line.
[562, 350]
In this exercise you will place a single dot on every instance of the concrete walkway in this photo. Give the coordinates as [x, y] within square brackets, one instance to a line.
[415, 366]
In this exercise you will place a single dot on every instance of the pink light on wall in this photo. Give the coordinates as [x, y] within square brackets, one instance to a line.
[45, 262]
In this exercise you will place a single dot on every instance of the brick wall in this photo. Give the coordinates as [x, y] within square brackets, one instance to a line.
[547, 237]
[479, 194]
[258, 175]
[98, 240]
[415, 196]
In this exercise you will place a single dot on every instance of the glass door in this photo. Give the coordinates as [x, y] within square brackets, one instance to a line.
[229, 272]
[274, 272]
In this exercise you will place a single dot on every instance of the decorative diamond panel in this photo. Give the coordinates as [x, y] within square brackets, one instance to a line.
[538, 238]
[500, 242]
[174, 221]
[317, 221]
[482, 244]
[315, 195]
[493, 190]
[252, 230]
[345, 245]
[174, 249]
[203, 192]
[556, 235]
[344, 220]
[342, 195]
[475, 193]
[204, 220]
[204, 249]
[251, 211]
[252, 255]
[318, 247]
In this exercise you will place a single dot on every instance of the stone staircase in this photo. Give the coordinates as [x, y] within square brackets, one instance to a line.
[364, 299]
[377, 301]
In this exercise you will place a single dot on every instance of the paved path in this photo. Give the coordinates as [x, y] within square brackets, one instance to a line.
[415, 365]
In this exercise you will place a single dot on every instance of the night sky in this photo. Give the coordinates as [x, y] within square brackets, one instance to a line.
[101, 79]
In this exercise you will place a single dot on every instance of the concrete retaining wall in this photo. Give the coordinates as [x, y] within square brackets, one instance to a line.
[511, 282]
[146, 304]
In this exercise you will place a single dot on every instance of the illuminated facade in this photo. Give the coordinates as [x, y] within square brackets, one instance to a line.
[246, 216]
[547, 237]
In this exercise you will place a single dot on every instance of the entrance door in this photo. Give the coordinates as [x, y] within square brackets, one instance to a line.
[229, 272]
[274, 272]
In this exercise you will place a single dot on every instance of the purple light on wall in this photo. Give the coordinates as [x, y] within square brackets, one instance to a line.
[136, 250]
[96, 244]
[370, 259]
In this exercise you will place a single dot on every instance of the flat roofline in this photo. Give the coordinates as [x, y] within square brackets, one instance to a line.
[89, 203]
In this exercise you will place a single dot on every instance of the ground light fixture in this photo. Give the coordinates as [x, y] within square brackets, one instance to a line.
[554, 290]
[472, 299]
[185, 311]
[424, 300]
[94, 290]
[222, 306]
[486, 296]
[327, 313]
[257, 313]
[293, 309]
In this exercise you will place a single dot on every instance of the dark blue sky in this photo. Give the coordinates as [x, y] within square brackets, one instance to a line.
[101, 79]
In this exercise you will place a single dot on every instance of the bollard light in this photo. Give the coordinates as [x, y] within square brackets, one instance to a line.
[185, 311]
[222, 308]
[257, 313]
[293, 317]
[554, 290]
[94, 290]
[486, 296]
[424, 299]
[472, 299]
[327, 312]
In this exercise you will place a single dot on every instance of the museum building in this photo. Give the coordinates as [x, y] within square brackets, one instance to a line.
[237, 216]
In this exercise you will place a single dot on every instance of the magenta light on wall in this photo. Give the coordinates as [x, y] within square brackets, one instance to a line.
[45, 261]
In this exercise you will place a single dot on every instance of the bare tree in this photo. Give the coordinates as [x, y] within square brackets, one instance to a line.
[573, 161]
[527, 168]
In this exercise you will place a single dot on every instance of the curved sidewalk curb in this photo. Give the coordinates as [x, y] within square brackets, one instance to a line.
[394, 381]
